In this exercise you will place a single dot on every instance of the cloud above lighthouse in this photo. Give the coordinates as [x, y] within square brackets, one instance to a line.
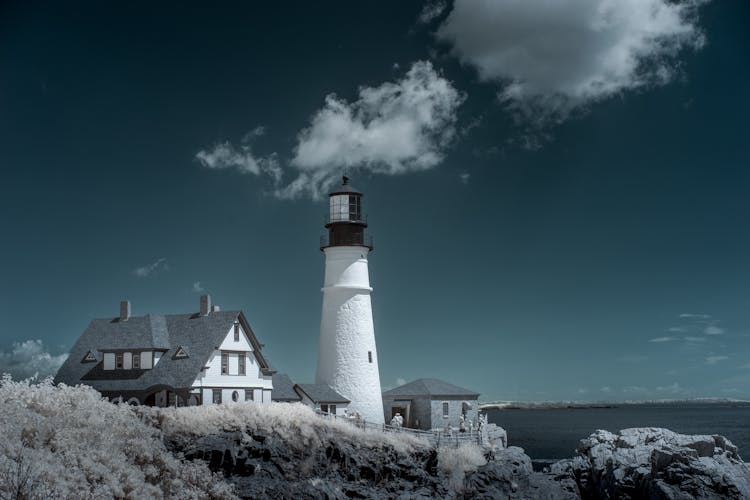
[394, 128]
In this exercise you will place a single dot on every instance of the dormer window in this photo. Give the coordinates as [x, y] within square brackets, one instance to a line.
[137, 361]
[236, 331]
[89, 357]
[180, 353]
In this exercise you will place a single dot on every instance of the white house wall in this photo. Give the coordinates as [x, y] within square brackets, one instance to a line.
[212, 378]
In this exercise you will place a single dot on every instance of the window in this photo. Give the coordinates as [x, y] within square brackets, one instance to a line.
[88, 357]
[225, 363]
[217, 396]
[332, 409]
[445, 410]
[369, 356]
[235, 396]
[180, 353]
[236, 331]
[324, 408]
[242, 363]
[137, 361]
[118, 361]
[248, 394]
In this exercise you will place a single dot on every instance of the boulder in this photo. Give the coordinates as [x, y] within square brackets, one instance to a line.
[657, 464]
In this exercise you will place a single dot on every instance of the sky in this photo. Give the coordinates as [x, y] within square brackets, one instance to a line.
[557, 191]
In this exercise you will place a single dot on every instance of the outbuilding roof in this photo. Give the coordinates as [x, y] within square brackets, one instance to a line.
[283, 388]
[430, 387]
[197, 335]
[321, 393]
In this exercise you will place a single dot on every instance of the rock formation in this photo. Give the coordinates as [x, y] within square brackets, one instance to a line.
[657, 464]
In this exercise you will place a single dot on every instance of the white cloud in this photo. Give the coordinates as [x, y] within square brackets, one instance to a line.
[678, 329]
[713, 330]
[712, 360]
[695, 316]
[606, 388]
[28, 359]
[553, 57]
[464, 177]
[671, 389]
[400, 381]
[631, 389]
[432, 11]
[694, 339]
[225, 156]
[197, 287]
[149, 269]
[397, 127]
[663, 339]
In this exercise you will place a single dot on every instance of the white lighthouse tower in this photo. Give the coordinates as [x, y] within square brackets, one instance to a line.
[347, 357]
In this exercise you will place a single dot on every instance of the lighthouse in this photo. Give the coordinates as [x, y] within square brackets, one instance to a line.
[347, 356]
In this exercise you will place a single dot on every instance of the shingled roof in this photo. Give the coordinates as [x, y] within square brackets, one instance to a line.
[321, 393]
[198, 335]
[430, 387]
[283, 388]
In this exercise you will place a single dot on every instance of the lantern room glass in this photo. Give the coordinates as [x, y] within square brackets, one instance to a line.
[345, 207]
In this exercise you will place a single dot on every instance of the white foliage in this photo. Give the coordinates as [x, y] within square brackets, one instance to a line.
[294, 423]
[67, 442]
[456, 462]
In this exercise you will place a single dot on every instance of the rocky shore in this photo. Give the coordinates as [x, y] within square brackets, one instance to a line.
[636, 463]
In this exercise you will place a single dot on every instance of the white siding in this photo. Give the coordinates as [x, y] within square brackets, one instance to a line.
[212, 378]
[127, 360]
[109, 361]
[146, 359]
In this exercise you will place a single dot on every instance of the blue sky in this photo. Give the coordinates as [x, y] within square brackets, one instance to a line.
[558, 194]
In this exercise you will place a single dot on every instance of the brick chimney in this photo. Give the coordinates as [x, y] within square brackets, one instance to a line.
[205, 305]
[124, 310]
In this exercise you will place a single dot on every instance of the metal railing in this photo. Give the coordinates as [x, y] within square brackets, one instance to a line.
[353, 240]
[437, 438]
[344, 217]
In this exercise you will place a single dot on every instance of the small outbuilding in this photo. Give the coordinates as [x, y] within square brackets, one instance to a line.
[322, 397]
[429, 403]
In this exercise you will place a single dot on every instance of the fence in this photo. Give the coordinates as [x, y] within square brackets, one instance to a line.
[437, 438]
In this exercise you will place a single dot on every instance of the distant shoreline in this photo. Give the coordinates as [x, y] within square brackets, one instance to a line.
[572, 405]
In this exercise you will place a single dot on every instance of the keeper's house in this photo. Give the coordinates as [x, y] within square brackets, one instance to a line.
[200, 358]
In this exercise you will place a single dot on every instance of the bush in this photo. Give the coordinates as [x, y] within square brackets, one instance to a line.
[68, 442]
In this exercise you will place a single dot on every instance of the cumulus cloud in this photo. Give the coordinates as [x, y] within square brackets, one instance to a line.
[551, 58]
[197, 287]
[149, 269]
[394, 128]
[432, 10]
[241, 159]
[29, 359]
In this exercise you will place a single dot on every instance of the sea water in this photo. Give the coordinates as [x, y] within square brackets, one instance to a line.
[551, 434]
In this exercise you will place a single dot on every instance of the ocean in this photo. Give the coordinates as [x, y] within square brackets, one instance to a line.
[551, 434]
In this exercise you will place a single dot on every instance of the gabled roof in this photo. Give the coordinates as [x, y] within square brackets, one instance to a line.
[198, 335]
[283, 388]
[321, 393]
[430, 387]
